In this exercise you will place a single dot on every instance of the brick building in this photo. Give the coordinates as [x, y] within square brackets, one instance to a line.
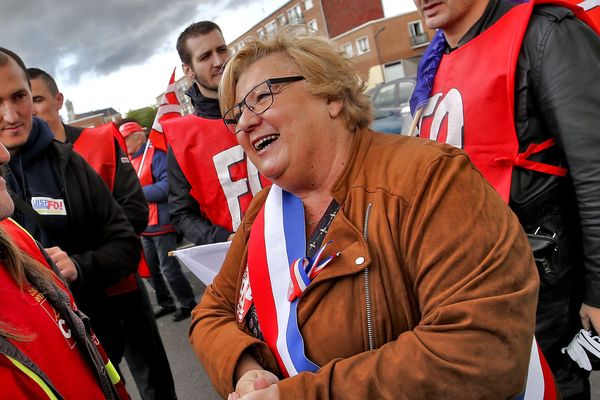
[381, 48]
[92, 118]
[329, 18]
[386, 48]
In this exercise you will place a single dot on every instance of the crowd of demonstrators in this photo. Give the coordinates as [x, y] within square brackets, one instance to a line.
[159, 238]
[404, 232]
[136, 335]
[537, 144]
[375, 266]
[41, 325]
[211, 182]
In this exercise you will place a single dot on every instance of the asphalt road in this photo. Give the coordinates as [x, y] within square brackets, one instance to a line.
[191, 382]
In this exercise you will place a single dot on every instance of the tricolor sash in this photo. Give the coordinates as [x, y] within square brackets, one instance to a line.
[540, 381]
[279, 271]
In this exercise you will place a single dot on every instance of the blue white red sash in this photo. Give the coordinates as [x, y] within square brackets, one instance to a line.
[276, 252]
[540, 382]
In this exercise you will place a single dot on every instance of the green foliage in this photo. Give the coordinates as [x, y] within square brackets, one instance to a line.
[144, 116]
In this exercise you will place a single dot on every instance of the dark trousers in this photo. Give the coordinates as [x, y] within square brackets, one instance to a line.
[143, 348]
[156, 250]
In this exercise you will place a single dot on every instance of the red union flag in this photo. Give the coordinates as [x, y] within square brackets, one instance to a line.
[169, 108]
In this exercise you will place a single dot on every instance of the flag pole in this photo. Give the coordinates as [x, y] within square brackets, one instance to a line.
[415, 121]
[139, 172]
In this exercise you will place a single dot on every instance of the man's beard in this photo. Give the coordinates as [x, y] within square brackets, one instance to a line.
[206, 85]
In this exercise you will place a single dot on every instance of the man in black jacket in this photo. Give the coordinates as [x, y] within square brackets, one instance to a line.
[533, 131]
[65, 205]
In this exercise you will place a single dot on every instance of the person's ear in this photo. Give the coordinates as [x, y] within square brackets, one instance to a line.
[60, 99]
[334, 108]
[188, 71]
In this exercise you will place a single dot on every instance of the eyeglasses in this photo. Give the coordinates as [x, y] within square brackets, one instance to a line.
[258, 100]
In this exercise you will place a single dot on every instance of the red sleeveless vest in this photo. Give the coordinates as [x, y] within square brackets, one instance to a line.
[474, 86]
[223, 181]
[146, 179]
[97, 147]
[52, 344]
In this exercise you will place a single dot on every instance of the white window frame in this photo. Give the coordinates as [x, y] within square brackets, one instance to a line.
[418, 23]
[359, 51]
[281, 20]
[348, 49]
[315, 27]
[308, 4]
[273, 25]
[261, 33]
[295, 12]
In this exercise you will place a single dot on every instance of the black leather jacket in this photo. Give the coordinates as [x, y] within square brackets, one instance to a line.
[186, 215]
[558, 95]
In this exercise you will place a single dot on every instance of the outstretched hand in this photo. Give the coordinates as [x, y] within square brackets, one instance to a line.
[254, 380]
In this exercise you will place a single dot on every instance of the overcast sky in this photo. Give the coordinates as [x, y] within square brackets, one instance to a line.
[120, 53]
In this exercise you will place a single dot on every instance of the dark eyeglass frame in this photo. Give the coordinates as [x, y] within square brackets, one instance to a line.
[231, 123]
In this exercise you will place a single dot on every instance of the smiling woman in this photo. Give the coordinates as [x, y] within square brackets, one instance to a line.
[362, 303]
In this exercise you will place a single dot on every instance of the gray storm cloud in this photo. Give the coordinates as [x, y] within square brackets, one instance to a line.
[73, 37]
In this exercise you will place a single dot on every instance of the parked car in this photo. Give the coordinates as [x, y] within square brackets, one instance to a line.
[390, 105]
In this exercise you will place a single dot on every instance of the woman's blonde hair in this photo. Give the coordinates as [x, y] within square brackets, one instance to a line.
[22, 269]
[328, 74]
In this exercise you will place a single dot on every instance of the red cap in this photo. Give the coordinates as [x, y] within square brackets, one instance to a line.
[130, 127]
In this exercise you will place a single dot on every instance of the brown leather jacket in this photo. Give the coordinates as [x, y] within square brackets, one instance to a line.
[447, 280]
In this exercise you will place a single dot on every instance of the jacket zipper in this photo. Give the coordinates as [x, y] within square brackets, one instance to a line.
[367, 289]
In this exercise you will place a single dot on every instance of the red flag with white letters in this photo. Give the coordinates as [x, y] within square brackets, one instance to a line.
[169, 108]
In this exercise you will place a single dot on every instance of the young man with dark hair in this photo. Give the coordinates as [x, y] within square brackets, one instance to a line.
[211, 181]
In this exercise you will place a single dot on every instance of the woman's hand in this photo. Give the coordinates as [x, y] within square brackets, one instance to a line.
[255, 380]
[269, 393]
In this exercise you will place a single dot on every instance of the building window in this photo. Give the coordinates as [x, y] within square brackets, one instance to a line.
[313, 25]
[347, 50]
[271, 27]
[261, 33]
[281, 20]
[308, 4]
[416, 33]
[362, 45]
[295, 14]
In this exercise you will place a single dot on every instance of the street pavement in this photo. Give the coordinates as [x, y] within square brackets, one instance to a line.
[191, 382]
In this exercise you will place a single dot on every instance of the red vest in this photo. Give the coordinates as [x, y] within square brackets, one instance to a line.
[146, 179]
[222, 179]
[472, 101]
[592, 8]
[97, 147]
[52, 347]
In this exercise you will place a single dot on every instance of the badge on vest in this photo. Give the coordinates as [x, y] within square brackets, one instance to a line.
[245, 299]
[48, 206]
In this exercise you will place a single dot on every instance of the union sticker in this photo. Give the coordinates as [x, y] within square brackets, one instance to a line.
[48, 206]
